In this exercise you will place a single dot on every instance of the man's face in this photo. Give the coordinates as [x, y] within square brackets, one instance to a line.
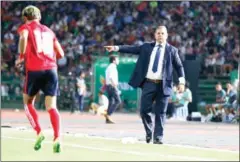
[181, 88]
[82, 75]
[229, 86]
[218, 87]
[161, 35]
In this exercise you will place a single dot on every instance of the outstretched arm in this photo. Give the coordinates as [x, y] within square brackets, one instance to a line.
[124, 49]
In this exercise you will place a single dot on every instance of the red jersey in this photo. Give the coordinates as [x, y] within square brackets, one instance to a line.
[39, 53]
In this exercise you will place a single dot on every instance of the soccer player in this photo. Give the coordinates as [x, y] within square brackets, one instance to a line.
[39, 49]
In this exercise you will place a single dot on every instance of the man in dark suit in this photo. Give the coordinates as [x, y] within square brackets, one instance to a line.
[154, 75]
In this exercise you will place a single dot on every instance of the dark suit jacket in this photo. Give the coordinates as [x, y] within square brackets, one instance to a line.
[171, 60]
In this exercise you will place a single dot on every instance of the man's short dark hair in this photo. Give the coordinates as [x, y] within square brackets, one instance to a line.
[81, 72]
[112, 58]
[161, 26]
[229, 83]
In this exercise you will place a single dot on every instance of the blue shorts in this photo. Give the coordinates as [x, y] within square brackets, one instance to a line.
[45, 80]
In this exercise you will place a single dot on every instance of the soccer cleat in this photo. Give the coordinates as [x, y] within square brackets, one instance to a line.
[38, 143]
[56, 147]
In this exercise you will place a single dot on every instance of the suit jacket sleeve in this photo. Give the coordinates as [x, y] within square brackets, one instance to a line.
[177, 63]
[130, 49]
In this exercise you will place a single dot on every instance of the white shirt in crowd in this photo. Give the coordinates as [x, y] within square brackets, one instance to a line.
[103, 101]
[158, 74]
[82, 90]
[111, 74]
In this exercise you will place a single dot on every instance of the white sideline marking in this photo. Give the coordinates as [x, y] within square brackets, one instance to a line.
[119, 151]
[142, 142]
[173, 145]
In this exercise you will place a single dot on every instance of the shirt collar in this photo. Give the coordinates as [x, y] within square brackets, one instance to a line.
[163, 44]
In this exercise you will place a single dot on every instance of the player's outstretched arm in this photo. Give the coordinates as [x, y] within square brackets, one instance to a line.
[58, 49]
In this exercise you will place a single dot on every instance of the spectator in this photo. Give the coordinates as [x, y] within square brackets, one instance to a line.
[102, 106]
[220, 101]
[81, 90]
[219, 62]
[187, 97]
[231, 98]
[184, 96]
[179, 102]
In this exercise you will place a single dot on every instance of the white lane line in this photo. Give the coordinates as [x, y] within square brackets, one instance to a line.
[172, 145]
[49, 131]
[120, 151]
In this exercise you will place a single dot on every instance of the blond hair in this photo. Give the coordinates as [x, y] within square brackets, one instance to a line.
[31, 12]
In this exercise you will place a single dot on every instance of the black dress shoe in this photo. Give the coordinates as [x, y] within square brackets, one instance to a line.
[148, 139]
[157, 141]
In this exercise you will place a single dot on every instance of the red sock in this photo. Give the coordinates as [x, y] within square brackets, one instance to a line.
[55, 120]
[32, 117]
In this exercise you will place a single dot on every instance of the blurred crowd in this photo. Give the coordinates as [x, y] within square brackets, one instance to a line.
[208, 31]
[196, 28]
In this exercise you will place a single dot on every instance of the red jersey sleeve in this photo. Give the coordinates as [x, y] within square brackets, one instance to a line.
[21, 28]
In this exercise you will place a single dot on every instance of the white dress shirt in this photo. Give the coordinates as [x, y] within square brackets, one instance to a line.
[158, 74]
[81, 90]
[111, 74]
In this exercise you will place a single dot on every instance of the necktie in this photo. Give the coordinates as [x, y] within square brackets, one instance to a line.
[156, 59]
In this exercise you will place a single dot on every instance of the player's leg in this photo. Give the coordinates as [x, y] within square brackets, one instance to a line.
[31, 88]
[31, 112]
[51, 106]
[50, 91]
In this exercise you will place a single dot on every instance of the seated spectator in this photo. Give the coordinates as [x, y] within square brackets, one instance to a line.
[220, 101]
[187, 97]
[231, 98]
[183, 97]
[102, 106]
